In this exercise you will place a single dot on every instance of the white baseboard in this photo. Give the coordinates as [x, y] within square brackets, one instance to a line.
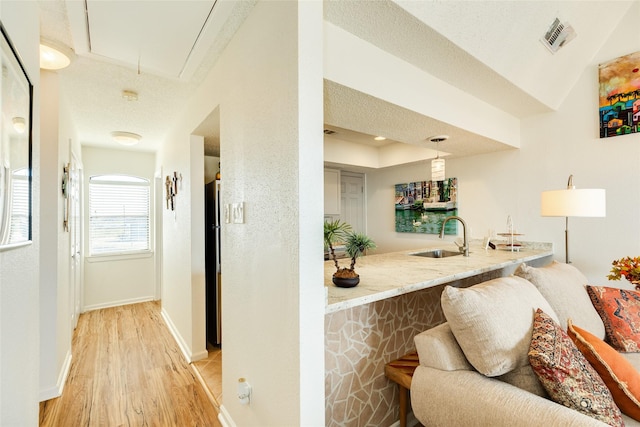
[117, 303]
[199, 356]
[176, 335]
[56, 391]
[225, 418]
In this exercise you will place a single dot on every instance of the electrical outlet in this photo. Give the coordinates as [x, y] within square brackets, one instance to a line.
[227, 213]
[244, 391]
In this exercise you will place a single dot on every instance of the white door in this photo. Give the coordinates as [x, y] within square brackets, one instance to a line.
[75, 229]
[352, 201]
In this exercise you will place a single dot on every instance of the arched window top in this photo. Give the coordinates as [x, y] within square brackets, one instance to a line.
[118, 179]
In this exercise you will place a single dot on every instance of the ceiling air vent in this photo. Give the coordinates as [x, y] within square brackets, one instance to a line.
[329, 132]
[558, 35]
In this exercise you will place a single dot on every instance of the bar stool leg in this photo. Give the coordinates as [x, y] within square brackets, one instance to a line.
[404, 402]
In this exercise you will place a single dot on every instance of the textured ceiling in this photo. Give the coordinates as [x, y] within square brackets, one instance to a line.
[489, 49]
[92, 85]
[349, 109]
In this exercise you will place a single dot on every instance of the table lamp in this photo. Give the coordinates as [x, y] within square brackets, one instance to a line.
[573, 203]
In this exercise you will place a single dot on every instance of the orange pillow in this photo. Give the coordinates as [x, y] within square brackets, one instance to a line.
[621, 378]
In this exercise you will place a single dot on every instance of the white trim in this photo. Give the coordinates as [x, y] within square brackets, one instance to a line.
[117, 303]
[225, 418]
[176, 335]
[56, 391]
[199, 356]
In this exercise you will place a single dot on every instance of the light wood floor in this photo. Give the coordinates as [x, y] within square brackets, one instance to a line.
[127, 370]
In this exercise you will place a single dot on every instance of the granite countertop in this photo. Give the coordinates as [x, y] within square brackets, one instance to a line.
[387, 275]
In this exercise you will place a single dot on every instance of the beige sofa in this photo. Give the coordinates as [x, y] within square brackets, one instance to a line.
[448, 391]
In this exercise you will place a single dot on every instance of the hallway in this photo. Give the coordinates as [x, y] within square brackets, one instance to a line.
[128, 370]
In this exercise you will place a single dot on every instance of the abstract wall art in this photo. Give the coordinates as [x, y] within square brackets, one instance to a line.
[620, 96]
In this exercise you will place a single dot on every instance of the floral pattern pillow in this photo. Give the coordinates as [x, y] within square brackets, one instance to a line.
[620, 313]
[566, 375]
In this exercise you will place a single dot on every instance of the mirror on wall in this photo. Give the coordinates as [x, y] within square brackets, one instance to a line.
[16, 94]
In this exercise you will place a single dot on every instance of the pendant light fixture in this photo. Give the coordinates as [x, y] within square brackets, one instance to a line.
[437, 164]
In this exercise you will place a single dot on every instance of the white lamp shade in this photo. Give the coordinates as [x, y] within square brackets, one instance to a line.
[574, 202]
[437, 169]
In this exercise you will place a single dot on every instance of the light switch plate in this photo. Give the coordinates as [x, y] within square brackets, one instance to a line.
[237, 213]
[227, 213]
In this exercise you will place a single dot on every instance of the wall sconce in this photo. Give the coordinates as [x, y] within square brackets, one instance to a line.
[171, 187]
[19, 124]
[575, 203]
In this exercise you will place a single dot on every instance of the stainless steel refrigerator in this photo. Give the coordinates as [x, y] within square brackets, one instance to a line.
[212, 263]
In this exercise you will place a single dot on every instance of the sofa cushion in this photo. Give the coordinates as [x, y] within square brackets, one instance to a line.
[438, 348]
[492, 322]
[618, 374]
[563, 286]
[525, 379]
[620, 313]
[566, 375]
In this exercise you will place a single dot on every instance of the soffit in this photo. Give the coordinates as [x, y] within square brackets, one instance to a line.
[346, 108]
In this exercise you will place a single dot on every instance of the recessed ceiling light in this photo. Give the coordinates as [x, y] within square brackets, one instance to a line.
[126, 138]
[54, 56]
[379, 138]
[438, 138]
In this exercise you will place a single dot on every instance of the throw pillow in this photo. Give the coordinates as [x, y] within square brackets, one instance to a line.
[566, 375]
[620, 313]
[492, 322]
[563, 286]
[621, 378]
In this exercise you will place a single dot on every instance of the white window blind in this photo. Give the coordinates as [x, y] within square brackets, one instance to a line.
[19, 230]
[118, 214]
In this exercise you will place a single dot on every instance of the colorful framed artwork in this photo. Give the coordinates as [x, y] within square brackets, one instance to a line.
[620, 96]
[422, 206]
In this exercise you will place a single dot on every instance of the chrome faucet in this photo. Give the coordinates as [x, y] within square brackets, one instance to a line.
[465, 246]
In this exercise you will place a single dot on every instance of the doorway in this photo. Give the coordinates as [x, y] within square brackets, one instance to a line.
[352, 200]
[75, 224]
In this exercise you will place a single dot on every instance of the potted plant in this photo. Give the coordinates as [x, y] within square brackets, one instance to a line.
[356, 244]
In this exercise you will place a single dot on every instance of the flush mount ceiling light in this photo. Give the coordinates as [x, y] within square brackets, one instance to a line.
[126, 138]
[19, 124]
[437, 164]
[54, 56]
[379, 138]
[130, 95]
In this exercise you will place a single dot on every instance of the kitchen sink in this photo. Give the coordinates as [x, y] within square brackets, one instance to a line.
[437, 253]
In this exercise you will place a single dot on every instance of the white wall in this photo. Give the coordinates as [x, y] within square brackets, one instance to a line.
[110, 281]
[554, 145]
[268, 85]
[19, 268]
[55, 303]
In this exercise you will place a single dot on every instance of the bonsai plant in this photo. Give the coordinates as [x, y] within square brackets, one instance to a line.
[356, 244]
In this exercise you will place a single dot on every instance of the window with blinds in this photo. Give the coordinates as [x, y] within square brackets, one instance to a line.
[19, 230]
[118, 214]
